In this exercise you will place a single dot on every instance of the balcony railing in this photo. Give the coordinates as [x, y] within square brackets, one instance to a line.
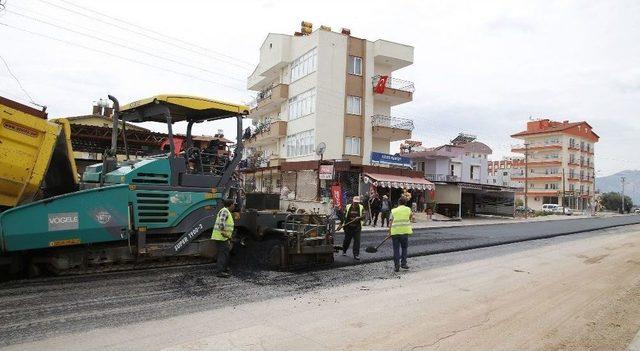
[397, 84]
[442, 178]
[392, 122]
[279, 88]
[536, 145]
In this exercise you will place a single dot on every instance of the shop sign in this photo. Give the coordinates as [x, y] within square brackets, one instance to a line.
[326, 172]
[386, 159]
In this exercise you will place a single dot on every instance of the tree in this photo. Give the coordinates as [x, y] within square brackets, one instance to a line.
[612, 201]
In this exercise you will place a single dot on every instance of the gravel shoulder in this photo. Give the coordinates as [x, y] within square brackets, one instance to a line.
[574, 292]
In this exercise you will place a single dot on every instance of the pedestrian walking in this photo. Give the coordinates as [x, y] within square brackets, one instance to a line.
[375, 208]
[354, 219]
[367, 210]
[222, 233]
[401, 218]
[385, 210]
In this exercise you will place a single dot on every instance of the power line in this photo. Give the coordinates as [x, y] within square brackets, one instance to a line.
[124, 46]
[155, 32]
[19, 84]
[121, 57]
[105, 34]
[145, 35]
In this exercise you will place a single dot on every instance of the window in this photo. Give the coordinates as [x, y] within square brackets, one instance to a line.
[354, 105]
[302, 104]
[354, 66]
[304, 65]
[352, 146]
[300, 144]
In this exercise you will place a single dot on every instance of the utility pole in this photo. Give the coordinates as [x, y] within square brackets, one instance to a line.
[563, 189]
[526, 179]
[622, 197]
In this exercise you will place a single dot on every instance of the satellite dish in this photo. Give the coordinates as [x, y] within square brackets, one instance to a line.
[320, 149]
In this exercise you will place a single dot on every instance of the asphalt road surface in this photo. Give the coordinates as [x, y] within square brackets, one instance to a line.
[41, 308]
[440, 240]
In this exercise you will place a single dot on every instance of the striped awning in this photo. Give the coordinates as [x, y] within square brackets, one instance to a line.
[395, 181]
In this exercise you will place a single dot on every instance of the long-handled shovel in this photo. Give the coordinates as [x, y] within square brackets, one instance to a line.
[346, 224]
[371, 249]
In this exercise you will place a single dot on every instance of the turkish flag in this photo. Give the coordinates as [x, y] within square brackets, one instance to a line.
[382, 82]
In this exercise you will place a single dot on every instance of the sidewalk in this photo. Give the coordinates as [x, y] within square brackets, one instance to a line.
[423, 222]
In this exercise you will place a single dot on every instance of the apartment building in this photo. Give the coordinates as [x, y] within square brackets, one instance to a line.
[325, 98]
[500, 172]
[559, 163]
[327, 87]
[459, 172]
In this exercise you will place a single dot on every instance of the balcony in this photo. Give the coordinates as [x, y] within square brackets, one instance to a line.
[392, 128]
[266, 134]
[270, 99]
[394, 91]
[275, 53]
[392, 55]
[442, 178]
[536, 147]
[537, 177]
[544, 162]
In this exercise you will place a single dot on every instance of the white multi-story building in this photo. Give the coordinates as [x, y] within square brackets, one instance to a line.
[327, 87]
[500, 172]
[559, 161]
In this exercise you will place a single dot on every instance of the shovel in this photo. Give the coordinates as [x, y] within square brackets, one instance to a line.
[371, 249]
[346, 224]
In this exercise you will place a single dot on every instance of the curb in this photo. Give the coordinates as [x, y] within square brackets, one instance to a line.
[635, 343]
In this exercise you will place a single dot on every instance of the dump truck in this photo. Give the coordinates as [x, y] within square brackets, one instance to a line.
[151, 209]
[36, 159]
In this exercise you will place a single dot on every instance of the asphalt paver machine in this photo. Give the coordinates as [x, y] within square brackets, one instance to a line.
[130, 211]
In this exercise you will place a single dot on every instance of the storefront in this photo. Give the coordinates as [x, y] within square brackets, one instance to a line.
[422, 191]
[316, 185]
[461, 199]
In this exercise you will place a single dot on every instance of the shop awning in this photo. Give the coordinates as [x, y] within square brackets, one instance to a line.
[395, 181]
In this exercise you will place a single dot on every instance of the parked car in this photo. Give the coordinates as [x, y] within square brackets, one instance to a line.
[549, 208]
[521, 209]
[563, 210]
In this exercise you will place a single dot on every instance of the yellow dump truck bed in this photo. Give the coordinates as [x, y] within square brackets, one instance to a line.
[36, 159]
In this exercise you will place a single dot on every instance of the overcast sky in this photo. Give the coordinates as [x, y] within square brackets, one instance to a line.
[481, 67]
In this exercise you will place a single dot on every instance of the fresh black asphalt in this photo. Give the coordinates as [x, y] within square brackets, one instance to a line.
[39, 308]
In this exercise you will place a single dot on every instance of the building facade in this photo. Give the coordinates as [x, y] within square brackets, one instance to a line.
[327, 87]
[558, 164]
[324, 100]
[459, 172]
[500, 172]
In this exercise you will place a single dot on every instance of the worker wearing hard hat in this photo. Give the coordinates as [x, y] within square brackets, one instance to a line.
[222, 233]
[401, 218]
[353, 217]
